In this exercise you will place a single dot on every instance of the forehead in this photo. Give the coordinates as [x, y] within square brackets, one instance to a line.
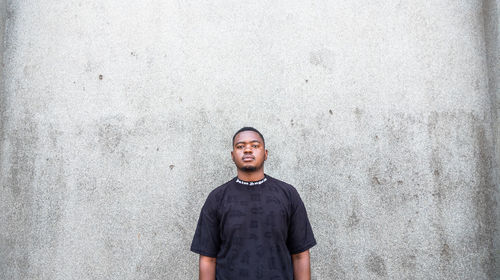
[247, 136]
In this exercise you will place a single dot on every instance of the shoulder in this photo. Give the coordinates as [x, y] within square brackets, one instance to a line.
[215, 197]
[219, 192]
[278, 183]
[282, 186]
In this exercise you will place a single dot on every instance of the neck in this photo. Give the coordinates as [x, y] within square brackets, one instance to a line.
[251, 176]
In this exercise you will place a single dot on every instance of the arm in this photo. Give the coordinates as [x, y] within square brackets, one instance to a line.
[301, 266]
[207, 268]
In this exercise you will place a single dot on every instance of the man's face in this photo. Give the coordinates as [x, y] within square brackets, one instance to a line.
[248, 152]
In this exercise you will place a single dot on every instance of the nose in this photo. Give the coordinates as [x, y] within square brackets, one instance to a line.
[247, 149]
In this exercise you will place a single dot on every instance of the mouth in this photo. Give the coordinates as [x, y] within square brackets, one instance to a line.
[248, 158]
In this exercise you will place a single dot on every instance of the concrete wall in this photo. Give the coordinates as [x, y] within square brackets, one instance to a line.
[117, 118]
[3, 16]
[491, 10]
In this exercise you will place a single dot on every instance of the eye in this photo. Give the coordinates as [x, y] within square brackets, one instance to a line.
[255, 145]
[239, 146]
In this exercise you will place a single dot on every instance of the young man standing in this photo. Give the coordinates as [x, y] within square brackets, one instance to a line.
[254, 226]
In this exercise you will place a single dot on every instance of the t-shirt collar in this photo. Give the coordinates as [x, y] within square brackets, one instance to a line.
[251, 183]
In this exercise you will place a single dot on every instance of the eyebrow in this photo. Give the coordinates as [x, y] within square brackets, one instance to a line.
[243, 142]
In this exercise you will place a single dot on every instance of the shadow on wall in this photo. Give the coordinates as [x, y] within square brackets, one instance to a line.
[491, 36]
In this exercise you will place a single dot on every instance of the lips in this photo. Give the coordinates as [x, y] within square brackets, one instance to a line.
[248, 158]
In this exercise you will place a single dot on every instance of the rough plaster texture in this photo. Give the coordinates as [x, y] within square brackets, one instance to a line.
[3, 15]
[117, 118]
[492, 44]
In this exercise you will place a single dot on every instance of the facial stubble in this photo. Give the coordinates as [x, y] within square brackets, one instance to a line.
[249, 168]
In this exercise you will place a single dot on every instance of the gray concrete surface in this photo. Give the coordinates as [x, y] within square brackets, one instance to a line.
[3, 15]
[117, 118]
[492, 46]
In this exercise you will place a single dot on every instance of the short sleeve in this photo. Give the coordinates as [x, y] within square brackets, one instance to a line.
[300, 234]
[206, 239]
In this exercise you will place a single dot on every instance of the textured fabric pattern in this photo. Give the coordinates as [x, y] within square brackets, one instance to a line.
[252, 228]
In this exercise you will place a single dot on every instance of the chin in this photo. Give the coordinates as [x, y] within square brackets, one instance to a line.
[248, 168]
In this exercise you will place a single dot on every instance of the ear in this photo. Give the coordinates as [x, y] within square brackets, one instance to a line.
[265, 155]
[232, 156]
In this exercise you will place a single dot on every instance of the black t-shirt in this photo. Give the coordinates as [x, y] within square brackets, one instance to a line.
[252, 228]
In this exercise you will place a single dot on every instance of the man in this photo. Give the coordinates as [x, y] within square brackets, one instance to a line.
[254, 226]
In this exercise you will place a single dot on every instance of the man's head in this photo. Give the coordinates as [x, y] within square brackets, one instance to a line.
[249, 151]
[248, 128]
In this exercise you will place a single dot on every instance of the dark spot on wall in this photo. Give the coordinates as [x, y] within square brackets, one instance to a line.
[23, 264]
[376, 264]
[307, 80]
[110, 136]
[358, 112]
[330, 111]
[375, 180]
[171, 166]
[477, 84]
[409, 262]
[437, 195]
[436, 172]
[315, 58]
[9, 13]
[353, 220]
[157, 149]
[445, 252]
[323, 57]
[186, 235]
[100, 77]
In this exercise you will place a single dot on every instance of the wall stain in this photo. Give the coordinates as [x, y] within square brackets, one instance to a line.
[358, 113]
[446, 252]
[439, 193]
[409, 262]
[110, 136]
[472, 131]
[484, 197]
[353, 220]
[376, 264]
[376, 181]
[323, 57]
[387, 172]
[20, 179]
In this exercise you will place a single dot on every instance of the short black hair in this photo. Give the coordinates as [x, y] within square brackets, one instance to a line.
[249, 128]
